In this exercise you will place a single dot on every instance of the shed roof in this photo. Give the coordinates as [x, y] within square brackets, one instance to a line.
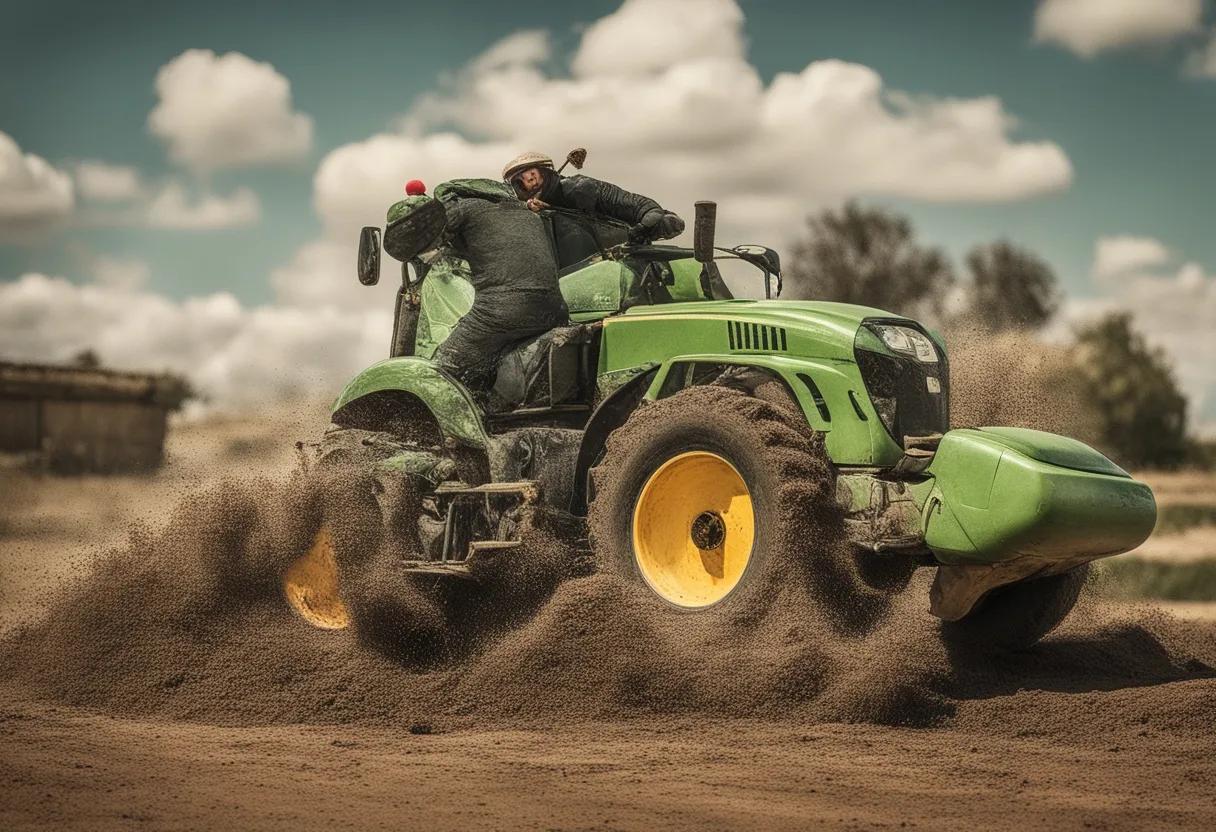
[49, 381]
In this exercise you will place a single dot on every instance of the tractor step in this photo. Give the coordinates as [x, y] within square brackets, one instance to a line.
[526, 490]
[439, 569]
[492, 546]
[460, 568]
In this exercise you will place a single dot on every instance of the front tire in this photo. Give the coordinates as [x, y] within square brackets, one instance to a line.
[1019, 615]
[700, 492]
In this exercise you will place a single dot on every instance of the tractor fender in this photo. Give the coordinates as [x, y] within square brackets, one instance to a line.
[448, 401]
[610, 415]
[784, 368]
[833, 400]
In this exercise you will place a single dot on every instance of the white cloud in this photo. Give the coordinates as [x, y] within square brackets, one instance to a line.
[662, 95]
[1118, 255]
[169, 204]
[636, 39]
[104, 182]
[1175, 309]
[322, 273]
[356, 183]
[120, 272]
[173, 208]
[224, 111]
[530, 46]
[684, 117]
[1087, 27]
[32, 192]
[233, 354]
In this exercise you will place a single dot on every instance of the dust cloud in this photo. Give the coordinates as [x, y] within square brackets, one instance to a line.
[188, 623]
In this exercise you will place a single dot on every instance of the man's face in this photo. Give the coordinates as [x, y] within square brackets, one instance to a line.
[531, 180]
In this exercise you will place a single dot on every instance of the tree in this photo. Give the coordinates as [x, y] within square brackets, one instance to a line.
[1011, 287]
[868, 256]
[1141, 410]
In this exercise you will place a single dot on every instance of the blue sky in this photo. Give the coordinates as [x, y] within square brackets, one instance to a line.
[1138, 134]
[78, 84]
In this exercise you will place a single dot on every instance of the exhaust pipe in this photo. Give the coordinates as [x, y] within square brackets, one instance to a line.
[705, 217]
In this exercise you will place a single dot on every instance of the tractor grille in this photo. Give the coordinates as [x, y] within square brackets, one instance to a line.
[911, 398]
[747, 336]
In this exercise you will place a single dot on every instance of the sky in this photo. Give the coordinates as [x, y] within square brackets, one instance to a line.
[181, 185]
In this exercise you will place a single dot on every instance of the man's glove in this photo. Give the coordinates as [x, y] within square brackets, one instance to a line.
[656, 225]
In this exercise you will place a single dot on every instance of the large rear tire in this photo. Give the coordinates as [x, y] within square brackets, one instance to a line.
[1019, 615]
[700, 492]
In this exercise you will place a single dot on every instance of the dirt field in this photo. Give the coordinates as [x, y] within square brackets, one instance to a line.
[173, 691]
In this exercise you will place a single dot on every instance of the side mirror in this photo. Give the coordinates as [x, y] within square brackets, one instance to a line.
[369, 255]
[774, 261]
[761, 256]
[705, 218]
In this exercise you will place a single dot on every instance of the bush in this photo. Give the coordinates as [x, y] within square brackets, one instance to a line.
[1011, 287]
[1140, 409]
[868, 256]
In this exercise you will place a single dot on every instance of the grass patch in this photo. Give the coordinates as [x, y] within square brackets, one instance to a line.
[1136, 578]
[1172, 519]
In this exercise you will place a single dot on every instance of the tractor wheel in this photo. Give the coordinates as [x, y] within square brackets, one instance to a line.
[1017, 616]
[312, 584]
[699, 490]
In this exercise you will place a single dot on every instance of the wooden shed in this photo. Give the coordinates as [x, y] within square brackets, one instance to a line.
[82, 419]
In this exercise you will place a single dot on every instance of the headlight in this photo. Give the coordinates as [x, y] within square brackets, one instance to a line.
[908, 341]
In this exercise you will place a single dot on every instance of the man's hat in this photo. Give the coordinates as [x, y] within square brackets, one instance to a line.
[523, 161]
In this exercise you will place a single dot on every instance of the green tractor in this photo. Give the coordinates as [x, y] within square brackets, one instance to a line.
[692, 434]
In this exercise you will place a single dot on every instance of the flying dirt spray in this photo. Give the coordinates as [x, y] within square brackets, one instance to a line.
[188, 623]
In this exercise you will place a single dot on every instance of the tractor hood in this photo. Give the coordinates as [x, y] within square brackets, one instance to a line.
[882, 374]
[820, 329]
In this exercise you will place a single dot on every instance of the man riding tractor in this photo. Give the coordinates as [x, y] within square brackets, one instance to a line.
[535, 181]
[513, 272]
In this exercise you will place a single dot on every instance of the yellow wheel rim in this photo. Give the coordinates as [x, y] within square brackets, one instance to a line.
[693, 529]
[311, 585]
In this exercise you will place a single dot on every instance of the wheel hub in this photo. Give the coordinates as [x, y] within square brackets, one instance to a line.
[708, 530]
[693, 529]
[311, 585]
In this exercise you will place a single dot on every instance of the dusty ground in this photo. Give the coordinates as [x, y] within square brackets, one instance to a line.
[246, 719]
[75, 770]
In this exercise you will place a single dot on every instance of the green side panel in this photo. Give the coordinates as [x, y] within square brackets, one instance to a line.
[447, 295]
[687, 280]
[596, 289]
[849, 439]
[817, 329]
[600, 288]
[996, 495]
[608, 383]
[451, 404]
